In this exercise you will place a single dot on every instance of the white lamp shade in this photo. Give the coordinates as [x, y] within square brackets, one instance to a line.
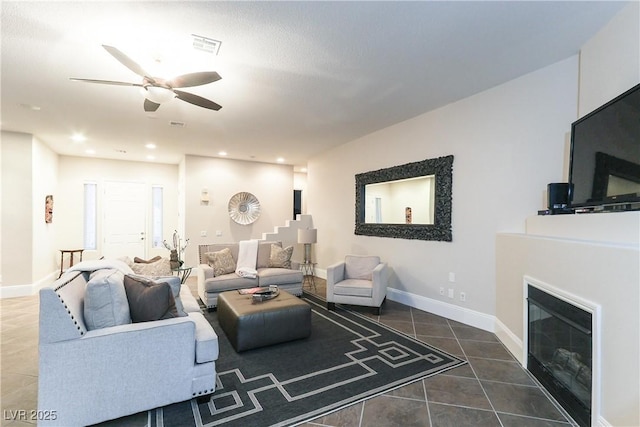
[307, 235]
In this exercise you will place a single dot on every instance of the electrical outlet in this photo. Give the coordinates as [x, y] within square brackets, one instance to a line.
[450, 293]
[463, 296]
[442, 290]
[452, 277]
[218, 233]
[203, 233]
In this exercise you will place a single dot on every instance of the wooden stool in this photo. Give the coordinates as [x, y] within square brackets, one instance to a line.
[71, 252]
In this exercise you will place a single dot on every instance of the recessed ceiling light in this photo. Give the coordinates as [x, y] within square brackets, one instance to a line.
[222, 153]
[150, 146]
[151, 157]
[78, 137]
[280, 160]
[90, 151]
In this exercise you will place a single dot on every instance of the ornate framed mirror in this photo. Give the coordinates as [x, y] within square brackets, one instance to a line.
[410, 201]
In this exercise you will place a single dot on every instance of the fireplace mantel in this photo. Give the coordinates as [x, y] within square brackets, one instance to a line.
[595, 257]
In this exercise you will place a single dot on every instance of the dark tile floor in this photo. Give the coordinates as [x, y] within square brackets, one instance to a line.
[492, 390]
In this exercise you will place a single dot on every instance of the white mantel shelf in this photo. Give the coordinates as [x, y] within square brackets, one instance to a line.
[619, 228]
[595, 257]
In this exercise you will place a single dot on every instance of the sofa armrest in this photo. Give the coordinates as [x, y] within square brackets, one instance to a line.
[379, 277]
[205, 272]
[148, 358]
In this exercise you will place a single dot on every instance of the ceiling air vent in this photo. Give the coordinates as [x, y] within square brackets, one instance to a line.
[205, 44]
[176, 124]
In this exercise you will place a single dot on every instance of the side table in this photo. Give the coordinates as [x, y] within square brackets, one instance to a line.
[308, 272]
[183, 273]
[71, 252]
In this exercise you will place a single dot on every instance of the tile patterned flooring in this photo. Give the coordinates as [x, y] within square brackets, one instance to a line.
[492, 390]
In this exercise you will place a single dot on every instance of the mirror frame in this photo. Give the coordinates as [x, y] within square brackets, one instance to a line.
[440, 230]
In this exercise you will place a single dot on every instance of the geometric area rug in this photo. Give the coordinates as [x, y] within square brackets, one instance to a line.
[348, 358]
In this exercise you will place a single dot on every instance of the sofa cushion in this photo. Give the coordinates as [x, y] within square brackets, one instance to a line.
[280, 257]
[162, 267]
[105, 300]
[278, 276]
[360, 267]
[228, 282]
[222, 262]
[149, 300]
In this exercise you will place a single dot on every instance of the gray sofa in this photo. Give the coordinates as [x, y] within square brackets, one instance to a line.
[88, 375]
[210, 286]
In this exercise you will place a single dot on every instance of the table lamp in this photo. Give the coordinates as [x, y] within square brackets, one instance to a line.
[307, 236]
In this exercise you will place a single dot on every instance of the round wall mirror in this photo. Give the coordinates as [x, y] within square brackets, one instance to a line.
[244, 208]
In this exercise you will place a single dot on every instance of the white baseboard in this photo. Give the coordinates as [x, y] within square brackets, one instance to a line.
[450, 311]
[17, 291]
[510, 340]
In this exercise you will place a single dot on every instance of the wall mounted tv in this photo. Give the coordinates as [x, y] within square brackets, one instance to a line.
[604, 169]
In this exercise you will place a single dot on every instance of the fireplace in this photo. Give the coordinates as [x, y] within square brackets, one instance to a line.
[560, 351]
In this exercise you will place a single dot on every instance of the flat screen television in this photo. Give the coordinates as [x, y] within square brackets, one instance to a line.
[604, 169]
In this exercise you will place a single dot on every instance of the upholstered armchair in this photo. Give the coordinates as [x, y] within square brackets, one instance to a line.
[358, 280]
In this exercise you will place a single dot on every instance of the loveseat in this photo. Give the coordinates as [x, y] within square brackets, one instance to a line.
[90, 372]
[271, 269]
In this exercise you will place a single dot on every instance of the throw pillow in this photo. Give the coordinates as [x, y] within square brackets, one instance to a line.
[105, 300]
[162, 267]
[222, 262]
[149, 300]
[176, 287]
[280, 257]
[143, 261]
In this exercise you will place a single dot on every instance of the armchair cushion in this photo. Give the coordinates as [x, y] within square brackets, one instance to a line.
[222, 262]
[149, 300]
[105, 301]
[354, 288]
[360, 267]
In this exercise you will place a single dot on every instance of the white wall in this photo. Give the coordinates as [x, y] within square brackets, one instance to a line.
[74, 172]
[610, 61]
[508, 143]
[45, 182]
[17, 209]
[271, 184]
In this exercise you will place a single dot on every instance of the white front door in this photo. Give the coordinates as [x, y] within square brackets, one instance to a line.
[124, 219]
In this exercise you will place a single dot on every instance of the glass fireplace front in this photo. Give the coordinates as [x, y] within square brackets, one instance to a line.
[560, 351]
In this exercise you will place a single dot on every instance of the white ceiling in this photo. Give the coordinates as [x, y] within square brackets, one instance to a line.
[297, 77]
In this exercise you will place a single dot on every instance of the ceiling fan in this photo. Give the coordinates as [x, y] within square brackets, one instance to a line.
[158, 90]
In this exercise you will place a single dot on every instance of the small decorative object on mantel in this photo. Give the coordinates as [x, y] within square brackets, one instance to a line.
[177, 250]
[244, 208]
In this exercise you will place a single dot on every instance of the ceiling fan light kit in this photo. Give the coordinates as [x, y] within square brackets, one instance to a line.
[157, 90]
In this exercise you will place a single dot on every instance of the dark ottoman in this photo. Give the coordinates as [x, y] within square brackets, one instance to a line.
[251, 325]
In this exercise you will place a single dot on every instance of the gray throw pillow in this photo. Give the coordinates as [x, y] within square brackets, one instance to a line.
[105, 300]
[149, 300]
[222, 262]
[280, 257]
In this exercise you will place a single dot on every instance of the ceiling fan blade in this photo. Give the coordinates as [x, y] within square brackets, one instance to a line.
[150, 106]
[127, 62]
[106, 82]
[195, 79]
[197, 100]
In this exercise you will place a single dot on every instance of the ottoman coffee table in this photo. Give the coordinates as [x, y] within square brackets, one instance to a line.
[250, 324]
